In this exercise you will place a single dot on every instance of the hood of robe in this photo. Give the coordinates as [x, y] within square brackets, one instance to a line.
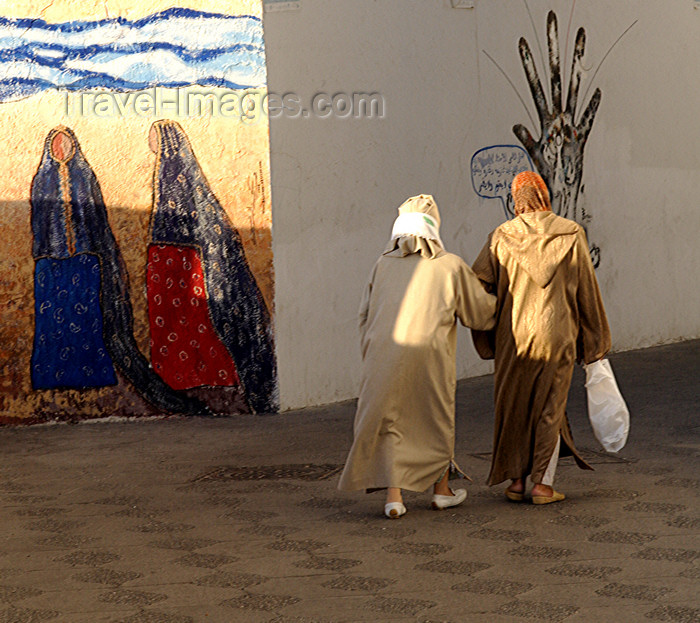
[416, 235]
[538, 242]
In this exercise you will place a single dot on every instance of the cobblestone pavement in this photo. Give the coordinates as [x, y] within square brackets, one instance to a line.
[238, 519]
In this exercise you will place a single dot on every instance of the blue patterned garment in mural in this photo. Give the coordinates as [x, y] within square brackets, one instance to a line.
[69, 350]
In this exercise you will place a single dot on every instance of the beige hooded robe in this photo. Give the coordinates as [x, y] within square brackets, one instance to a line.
[404, 424]
[550, 314]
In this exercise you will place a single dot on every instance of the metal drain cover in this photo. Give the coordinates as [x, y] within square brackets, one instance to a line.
[306, 471]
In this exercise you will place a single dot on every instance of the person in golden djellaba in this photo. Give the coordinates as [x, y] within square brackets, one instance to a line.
[550, 315]
[404, 428]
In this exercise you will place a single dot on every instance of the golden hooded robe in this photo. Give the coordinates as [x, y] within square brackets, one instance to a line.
[550, 314]
[404, 425]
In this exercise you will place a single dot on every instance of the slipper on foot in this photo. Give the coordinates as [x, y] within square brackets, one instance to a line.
[441, 502]
[394, 510]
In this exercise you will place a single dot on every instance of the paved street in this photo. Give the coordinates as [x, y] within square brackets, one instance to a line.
[238, 519]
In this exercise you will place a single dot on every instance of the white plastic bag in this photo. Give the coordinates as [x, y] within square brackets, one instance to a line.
[607, 411]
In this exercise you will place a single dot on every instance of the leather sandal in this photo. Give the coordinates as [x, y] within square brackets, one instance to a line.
[514, 496]
[546, 499]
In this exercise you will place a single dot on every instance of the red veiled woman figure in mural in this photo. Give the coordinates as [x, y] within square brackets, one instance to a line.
[83, 317]
[209, 324]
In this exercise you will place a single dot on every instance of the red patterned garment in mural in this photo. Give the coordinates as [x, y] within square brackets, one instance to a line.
[185, 348]
[187, 215]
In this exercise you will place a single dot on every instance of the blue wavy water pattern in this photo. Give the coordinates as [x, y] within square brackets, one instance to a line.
[174, 48]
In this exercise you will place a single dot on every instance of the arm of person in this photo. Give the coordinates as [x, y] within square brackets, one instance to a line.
[485, 269]
[476, 308]
[594, 340]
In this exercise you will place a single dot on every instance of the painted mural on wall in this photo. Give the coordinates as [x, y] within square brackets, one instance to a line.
[134, 288]
[562, 128]
[171, 48]
[493, 169]
[558, 152]
[209, 323]
[83, 322]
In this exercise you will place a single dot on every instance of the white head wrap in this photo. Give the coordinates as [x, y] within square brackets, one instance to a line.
[413, 220]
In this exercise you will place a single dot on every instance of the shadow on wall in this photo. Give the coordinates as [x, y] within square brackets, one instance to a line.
[210, 330]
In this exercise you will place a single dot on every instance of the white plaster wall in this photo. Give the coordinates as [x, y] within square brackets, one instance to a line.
[336, 183]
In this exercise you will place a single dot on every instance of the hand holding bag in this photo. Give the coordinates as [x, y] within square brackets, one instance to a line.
[607, 411]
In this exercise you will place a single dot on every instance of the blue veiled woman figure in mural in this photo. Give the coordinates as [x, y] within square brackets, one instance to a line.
[83, 315]
[209, 322]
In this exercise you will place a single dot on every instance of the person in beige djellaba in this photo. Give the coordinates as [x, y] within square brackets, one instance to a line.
[404, 429]
[550, 315]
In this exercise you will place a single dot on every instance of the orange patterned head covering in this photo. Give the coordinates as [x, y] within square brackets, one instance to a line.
[530, 193]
